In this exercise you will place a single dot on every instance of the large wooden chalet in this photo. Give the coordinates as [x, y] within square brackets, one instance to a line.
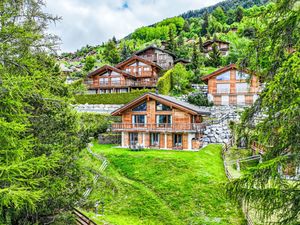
[158, 121]
[231, 86]
[137, 72]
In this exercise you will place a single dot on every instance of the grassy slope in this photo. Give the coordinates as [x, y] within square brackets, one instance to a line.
[164, 187]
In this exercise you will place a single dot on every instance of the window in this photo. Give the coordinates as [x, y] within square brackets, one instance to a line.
[240, 99]
[115, 80]
[163, 119]
[139, 119]
[162, 107]
[242, 87]
[154, 139]
[140, 108]
[223, 88]
[103, 81]
[133, 138]
[241, 75]
[224, 76]
[147, 68]
[177, 140]
[162, 56]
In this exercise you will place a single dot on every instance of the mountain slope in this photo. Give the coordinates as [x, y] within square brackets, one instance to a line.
[225, 5]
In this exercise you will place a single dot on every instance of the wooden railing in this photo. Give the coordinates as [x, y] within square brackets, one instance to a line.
[82, 219]
[197, 127]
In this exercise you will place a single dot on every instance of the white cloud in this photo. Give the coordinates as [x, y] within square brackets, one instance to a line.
[95, 21]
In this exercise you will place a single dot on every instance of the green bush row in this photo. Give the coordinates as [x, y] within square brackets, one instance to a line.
[113, 98]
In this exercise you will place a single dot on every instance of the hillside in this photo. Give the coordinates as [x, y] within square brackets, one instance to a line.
[179, 34]
[225, 5]
[162, 187]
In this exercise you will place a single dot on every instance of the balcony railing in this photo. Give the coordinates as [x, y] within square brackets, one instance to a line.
[174, 127]
[123, 84]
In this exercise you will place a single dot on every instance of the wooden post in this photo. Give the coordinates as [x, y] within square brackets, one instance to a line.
[238, 167]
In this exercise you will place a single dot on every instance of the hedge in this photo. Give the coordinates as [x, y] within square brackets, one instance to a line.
[164, 84]
[113, 98]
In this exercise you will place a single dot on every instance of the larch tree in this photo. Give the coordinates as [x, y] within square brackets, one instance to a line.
[275, 57]
[40, 136]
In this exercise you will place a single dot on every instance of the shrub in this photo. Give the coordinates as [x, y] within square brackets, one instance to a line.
[113, 98]
[93, 124]
[199, 99]
[174, 81]
[164, 84]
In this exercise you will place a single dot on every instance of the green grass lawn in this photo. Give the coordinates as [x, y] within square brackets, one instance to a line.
[163, 187]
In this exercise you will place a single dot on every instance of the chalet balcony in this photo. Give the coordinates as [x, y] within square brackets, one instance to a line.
[161, 127]
[122, 84]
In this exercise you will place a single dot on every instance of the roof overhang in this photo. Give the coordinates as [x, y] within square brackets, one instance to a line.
[161, 99]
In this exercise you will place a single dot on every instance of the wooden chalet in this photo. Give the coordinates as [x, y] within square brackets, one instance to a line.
[231, 86]
[223, 46]
[164, 58]
[159, 121]
[133, 73]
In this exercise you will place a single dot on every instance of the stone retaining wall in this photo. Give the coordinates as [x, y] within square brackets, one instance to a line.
[110, 138]
[97, 108]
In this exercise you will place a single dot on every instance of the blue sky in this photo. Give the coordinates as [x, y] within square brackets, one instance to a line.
[95, 21]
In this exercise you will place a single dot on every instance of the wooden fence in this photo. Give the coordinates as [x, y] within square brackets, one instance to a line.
[82, 219]
[225, 148]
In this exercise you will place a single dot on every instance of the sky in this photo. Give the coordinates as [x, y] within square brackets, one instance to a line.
[95, 21]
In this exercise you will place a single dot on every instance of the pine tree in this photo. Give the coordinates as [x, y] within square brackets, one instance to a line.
[111, 53]
[201, 49]
[195, 58]
[114, 39]
[39, 131]
[125, 52]
[186, 26]
[265, 185]
[239, 14]
[204, 26]
[171, 40]
[215, 56]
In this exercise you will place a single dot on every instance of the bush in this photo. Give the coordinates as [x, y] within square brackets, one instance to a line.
[93, 124]
[199, 99]
[164, 84]
[175, 81]
[113, 98]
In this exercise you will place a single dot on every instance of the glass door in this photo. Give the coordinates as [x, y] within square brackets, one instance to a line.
[133, 138]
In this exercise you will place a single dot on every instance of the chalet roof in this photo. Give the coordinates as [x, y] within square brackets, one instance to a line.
[168, 100]
[134, 58]
[222, 70]
[210, 42]
[106, 68]
[155, 47]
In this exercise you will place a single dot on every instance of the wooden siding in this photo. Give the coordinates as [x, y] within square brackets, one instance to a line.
[253, 89]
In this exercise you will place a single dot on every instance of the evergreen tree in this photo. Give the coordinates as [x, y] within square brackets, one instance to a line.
[219, 14]
[201, 49]
[186, 26]
[239, 14]
[195, 58]
[40, 177]
[265, 186]
[114, 39]
[171, 40]
[111, 53]
[89, 63]
[204, 26]
[215, 56]
[125, 52]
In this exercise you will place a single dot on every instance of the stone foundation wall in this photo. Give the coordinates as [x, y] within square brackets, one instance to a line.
[99, 108]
